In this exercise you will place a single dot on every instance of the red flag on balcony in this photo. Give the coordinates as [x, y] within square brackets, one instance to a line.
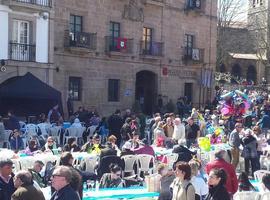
[121, 43]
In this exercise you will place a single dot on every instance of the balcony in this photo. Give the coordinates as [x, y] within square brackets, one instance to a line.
[195, 5]
[154, 2]
[37, 5]
[80, 40]
[45, 3]
[193, 55]
[151, 48]
[22, 52]
[118, 44]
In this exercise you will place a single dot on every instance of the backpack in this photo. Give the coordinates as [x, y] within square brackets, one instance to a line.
[197, 197]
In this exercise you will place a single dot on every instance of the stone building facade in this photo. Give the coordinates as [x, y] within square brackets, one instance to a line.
[239, 53]
[137, 50]
[258, 26]
[244, 47]
[106, 54]
[26, 39]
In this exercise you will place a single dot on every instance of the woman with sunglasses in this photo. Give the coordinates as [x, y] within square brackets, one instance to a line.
[216, 182]
[113, 179]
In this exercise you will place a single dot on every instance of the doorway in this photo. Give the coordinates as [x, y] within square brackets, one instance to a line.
[146, 91]
[188, 92]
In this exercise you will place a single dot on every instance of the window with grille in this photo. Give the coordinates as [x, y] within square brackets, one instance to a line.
[113, 90]
[75, 88]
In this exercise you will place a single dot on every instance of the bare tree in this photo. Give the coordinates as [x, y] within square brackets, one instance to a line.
[259, 27]
[229, 13]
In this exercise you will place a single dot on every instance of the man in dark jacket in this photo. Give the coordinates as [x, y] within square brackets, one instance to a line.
[115, 123]
[12, 122]
[61, 179]
[264, 123]
[25, 189]
[107, 151]
[54, 114]
[126, 131]
[6, 180]
[184, 154]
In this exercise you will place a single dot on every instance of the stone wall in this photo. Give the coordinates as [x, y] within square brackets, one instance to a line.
[170, 23]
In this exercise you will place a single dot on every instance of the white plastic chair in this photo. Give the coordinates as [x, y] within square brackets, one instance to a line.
[31, 130]
[144, 161]
[265, 196]
[27, 162]
[259, 174]
[80, 131]
[70, 132]
[91, 130]
[44, 128]
[6, 138]
[16, 165]
[130, 161]
[22, 124]
[76, 163]
[265, 160]
[171, 159]
[89, 162]
[55, 133]
[246, 196]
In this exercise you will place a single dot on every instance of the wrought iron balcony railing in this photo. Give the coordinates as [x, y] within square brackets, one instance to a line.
[193, 54]
[81, 40]
[151, 48]
[45, 3]
[22, 52]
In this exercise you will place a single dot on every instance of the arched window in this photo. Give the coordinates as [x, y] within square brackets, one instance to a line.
[222, 68]
[251, 73]
[236, 72]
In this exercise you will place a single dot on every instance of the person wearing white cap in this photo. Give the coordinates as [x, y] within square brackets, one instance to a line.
[249, 152]
[126, 149]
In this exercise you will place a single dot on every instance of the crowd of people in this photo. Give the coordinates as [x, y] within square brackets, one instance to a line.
[131, 133]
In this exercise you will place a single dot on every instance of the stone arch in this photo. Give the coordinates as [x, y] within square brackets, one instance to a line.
[222, 68]
[236, 72]
[251, 73]
[146, 90]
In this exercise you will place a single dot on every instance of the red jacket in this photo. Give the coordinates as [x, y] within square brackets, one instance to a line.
[232, 182]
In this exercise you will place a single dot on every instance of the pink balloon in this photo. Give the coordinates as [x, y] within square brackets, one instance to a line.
[225, 111]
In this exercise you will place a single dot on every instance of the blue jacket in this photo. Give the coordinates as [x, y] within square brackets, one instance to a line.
[265, 121]
[16, 143]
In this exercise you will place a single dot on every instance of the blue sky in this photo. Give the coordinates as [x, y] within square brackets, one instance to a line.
[245, 9]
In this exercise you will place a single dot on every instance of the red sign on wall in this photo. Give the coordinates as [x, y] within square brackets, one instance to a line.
[121, 43]
[164, 71]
